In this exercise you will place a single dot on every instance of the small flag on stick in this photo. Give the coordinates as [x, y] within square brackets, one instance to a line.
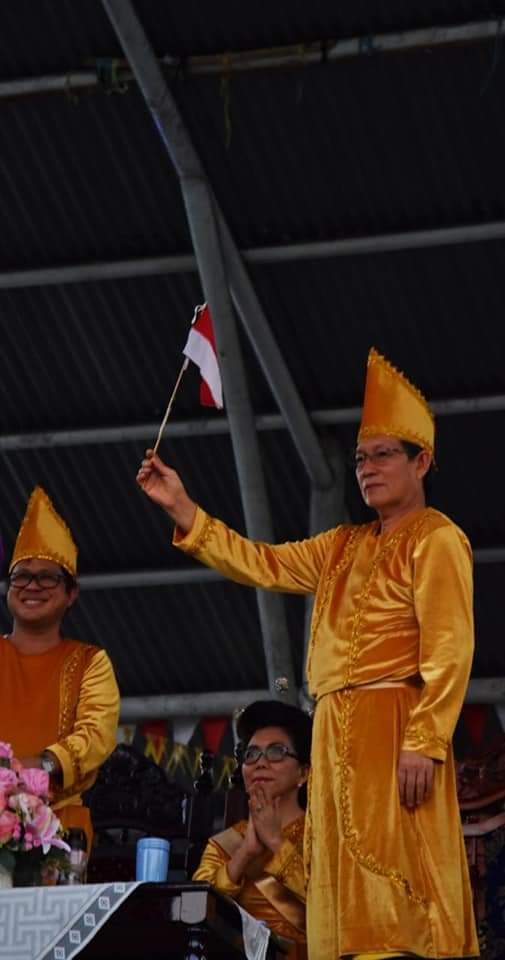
[201, 349]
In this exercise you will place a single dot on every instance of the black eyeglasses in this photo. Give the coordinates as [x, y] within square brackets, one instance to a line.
[43, 578]
[377, 456]
[274, 753]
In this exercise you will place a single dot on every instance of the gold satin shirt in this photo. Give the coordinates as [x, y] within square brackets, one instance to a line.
[279, 904]
[65, 700]
[387, 606]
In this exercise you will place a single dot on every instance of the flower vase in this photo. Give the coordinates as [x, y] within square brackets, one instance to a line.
[27, 871]
[7, 864]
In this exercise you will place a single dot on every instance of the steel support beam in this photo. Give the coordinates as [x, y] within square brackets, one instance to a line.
[485, 690]
[489, 690]
[327, 51]
[148, 578]
[201, 213]
[218, 426]
[219, 260]
[292, 56]
[274, 367]
[199, 574]
[142, 578]
[221, 703]
[315, 250]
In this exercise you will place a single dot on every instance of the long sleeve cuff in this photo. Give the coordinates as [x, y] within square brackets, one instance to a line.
[420, 740]
[68, 764]
[191, 541]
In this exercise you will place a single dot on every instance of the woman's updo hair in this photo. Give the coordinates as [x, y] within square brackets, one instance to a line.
[272, 713]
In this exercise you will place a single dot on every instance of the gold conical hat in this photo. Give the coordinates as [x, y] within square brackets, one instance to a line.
[44, 535]
[393, 407]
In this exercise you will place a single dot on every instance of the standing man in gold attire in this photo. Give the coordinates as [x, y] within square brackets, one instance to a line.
[388, 664]
[59, 701]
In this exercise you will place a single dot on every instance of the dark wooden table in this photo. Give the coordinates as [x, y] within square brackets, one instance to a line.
[161, 921]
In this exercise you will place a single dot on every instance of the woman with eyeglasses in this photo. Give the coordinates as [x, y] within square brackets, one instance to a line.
[259, 861]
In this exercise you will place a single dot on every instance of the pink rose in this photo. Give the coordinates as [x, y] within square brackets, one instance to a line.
[3, 800]
[6, 751]
[8, 779]
[35, 781]
[9, 826]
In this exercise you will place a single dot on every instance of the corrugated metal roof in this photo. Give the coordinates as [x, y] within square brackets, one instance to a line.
[370, 145]
[83, 179]
[384, 143]
[54, 38]
[367, 146]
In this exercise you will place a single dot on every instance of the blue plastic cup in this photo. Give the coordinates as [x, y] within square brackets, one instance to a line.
[152, 859]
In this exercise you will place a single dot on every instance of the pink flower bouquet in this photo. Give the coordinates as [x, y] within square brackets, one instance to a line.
[27, 822]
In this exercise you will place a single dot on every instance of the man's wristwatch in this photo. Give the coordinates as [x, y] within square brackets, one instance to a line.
[49, 763]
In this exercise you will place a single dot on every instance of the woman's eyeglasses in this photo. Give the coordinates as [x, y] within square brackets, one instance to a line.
[274, 753]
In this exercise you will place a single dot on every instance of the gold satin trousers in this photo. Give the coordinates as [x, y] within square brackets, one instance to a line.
[382, 878]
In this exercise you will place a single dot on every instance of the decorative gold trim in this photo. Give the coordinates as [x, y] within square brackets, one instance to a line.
[365, 593]
[71, 675]
[54, 556]
[403, 433]
[355, 533]
[75, 760]
[421, 738]
[73, 662]
[294, 832]
[307, 835]
[203, 536]
[367, 860]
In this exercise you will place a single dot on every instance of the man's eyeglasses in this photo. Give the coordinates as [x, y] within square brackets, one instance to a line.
[43, 579]
[384, 455]
[274, 753]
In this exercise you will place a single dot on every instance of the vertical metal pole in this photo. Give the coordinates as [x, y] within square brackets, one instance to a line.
[207, 244]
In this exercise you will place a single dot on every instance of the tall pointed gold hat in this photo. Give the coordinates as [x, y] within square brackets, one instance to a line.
[394, 407]
[44, 535]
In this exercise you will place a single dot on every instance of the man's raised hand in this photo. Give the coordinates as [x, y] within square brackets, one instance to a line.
[164, 487]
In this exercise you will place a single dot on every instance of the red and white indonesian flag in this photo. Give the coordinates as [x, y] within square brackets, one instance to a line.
[201, 349]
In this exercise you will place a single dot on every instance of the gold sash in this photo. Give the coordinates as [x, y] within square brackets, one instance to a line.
[282, 899]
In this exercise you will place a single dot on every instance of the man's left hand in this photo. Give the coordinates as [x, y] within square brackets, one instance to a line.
[415, 778]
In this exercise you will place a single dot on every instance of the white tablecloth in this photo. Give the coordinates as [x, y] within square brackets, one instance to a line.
[54, 923]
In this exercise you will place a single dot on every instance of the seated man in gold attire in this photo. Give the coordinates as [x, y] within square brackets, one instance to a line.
[259, 861]
[388, 664]
[59, 701]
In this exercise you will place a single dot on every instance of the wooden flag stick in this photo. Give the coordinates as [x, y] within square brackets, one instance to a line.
[170, 404]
